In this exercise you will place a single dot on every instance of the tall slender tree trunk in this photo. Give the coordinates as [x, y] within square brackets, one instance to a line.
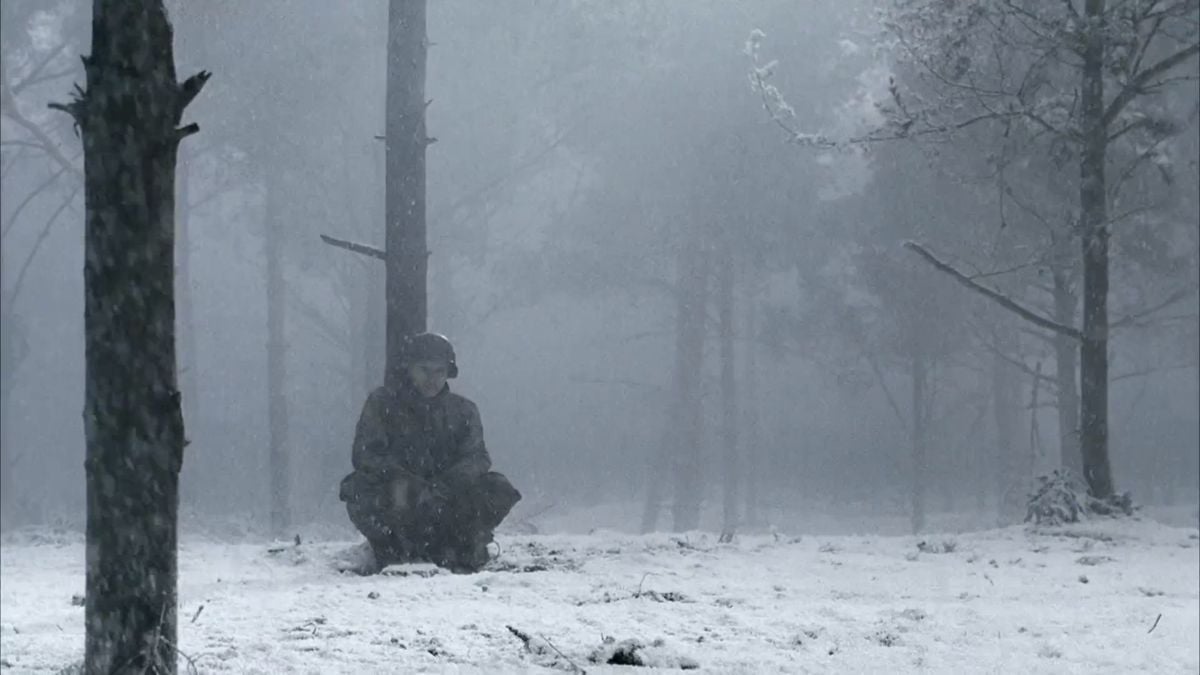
[1005, 411]
[129, 119]
[658, 465]
[13, 349]
[356, 285]
[8, 492]
[1094, 233]
[919, 373]
[374, 326]
[729, 410]
[689, 365]
[277, 413]
[406, 139]
[752, 448]
[1066, 376]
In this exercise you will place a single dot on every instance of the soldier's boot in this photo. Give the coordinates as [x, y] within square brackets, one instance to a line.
[465, 554]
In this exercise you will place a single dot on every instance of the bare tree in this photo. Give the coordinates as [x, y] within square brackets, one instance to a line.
[129, 118]
[406, 139]
[1048, 67]
[733, 468]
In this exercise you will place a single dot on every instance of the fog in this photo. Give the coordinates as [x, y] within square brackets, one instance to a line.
[585, 151]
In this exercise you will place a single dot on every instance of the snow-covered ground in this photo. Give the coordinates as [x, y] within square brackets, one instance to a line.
[1101, 597]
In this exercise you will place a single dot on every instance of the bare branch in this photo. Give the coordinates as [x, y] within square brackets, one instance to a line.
[32, 77]
[364, 249]
[1137, 85]
[1150, 371]
[1170, 300]
[326, 328]
[1003, 300]
[16, 214]
[1012, 361]
[20, 280]
[887, 392]
[47, 144]
[186, 130]
[1015, 268]
[191, 88]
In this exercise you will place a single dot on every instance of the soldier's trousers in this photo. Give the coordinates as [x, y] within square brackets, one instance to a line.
[404, 522]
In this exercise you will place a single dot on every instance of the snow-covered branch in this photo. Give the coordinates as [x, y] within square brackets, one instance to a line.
[998, 297]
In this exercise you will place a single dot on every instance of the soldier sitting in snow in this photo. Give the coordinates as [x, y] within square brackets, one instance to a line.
[422, 489]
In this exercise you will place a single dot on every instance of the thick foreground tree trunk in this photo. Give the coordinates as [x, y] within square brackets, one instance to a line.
[407, 256]
[129, 120]
[1094, 234]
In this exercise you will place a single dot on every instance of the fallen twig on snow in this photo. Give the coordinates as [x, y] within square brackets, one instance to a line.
[1156, 620]
[537, 648]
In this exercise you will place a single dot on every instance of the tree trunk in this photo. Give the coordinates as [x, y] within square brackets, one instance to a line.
[656, 477]
[920, 470]
[729, 412]
[1093, 207]
[375, 294]
[407, 257]
[277, 414]
[1005, 393]
[128, 118]
[689, 365]
[1066, 376]
[13, 348]
[356, 332]
[752, 447]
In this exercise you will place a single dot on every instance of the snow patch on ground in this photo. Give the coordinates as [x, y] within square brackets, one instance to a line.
[1081, 598]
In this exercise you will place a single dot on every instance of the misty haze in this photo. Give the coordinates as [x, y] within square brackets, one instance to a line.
[777, 336]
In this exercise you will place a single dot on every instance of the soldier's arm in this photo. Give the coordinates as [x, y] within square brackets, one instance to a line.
[370, 451]
[473, 459]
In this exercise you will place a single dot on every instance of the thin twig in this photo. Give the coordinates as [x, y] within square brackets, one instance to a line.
[192, 668]
[1156, 619]
[1170, 300]
[559, 651]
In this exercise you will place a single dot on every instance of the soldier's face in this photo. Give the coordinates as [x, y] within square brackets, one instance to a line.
[428, 377]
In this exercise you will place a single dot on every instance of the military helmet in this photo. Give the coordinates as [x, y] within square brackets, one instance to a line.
[430, 347]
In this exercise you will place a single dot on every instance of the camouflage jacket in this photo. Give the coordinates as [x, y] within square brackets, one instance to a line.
[438, 439]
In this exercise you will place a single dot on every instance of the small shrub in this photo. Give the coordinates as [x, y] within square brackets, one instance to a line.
[1057, 499]
[1060, 498]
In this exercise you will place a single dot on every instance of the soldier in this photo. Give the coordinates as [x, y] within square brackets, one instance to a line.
[422, 488]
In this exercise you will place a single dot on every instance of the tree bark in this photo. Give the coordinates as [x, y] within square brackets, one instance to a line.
[407, 257]
[732, 465]
[1093, 205]
[13, 348]
[1066, 377]
[919, 372]
[752, 448]
[656, 477]
[277, 413]
[128, 119]
[1005, 393]
[689, 365]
